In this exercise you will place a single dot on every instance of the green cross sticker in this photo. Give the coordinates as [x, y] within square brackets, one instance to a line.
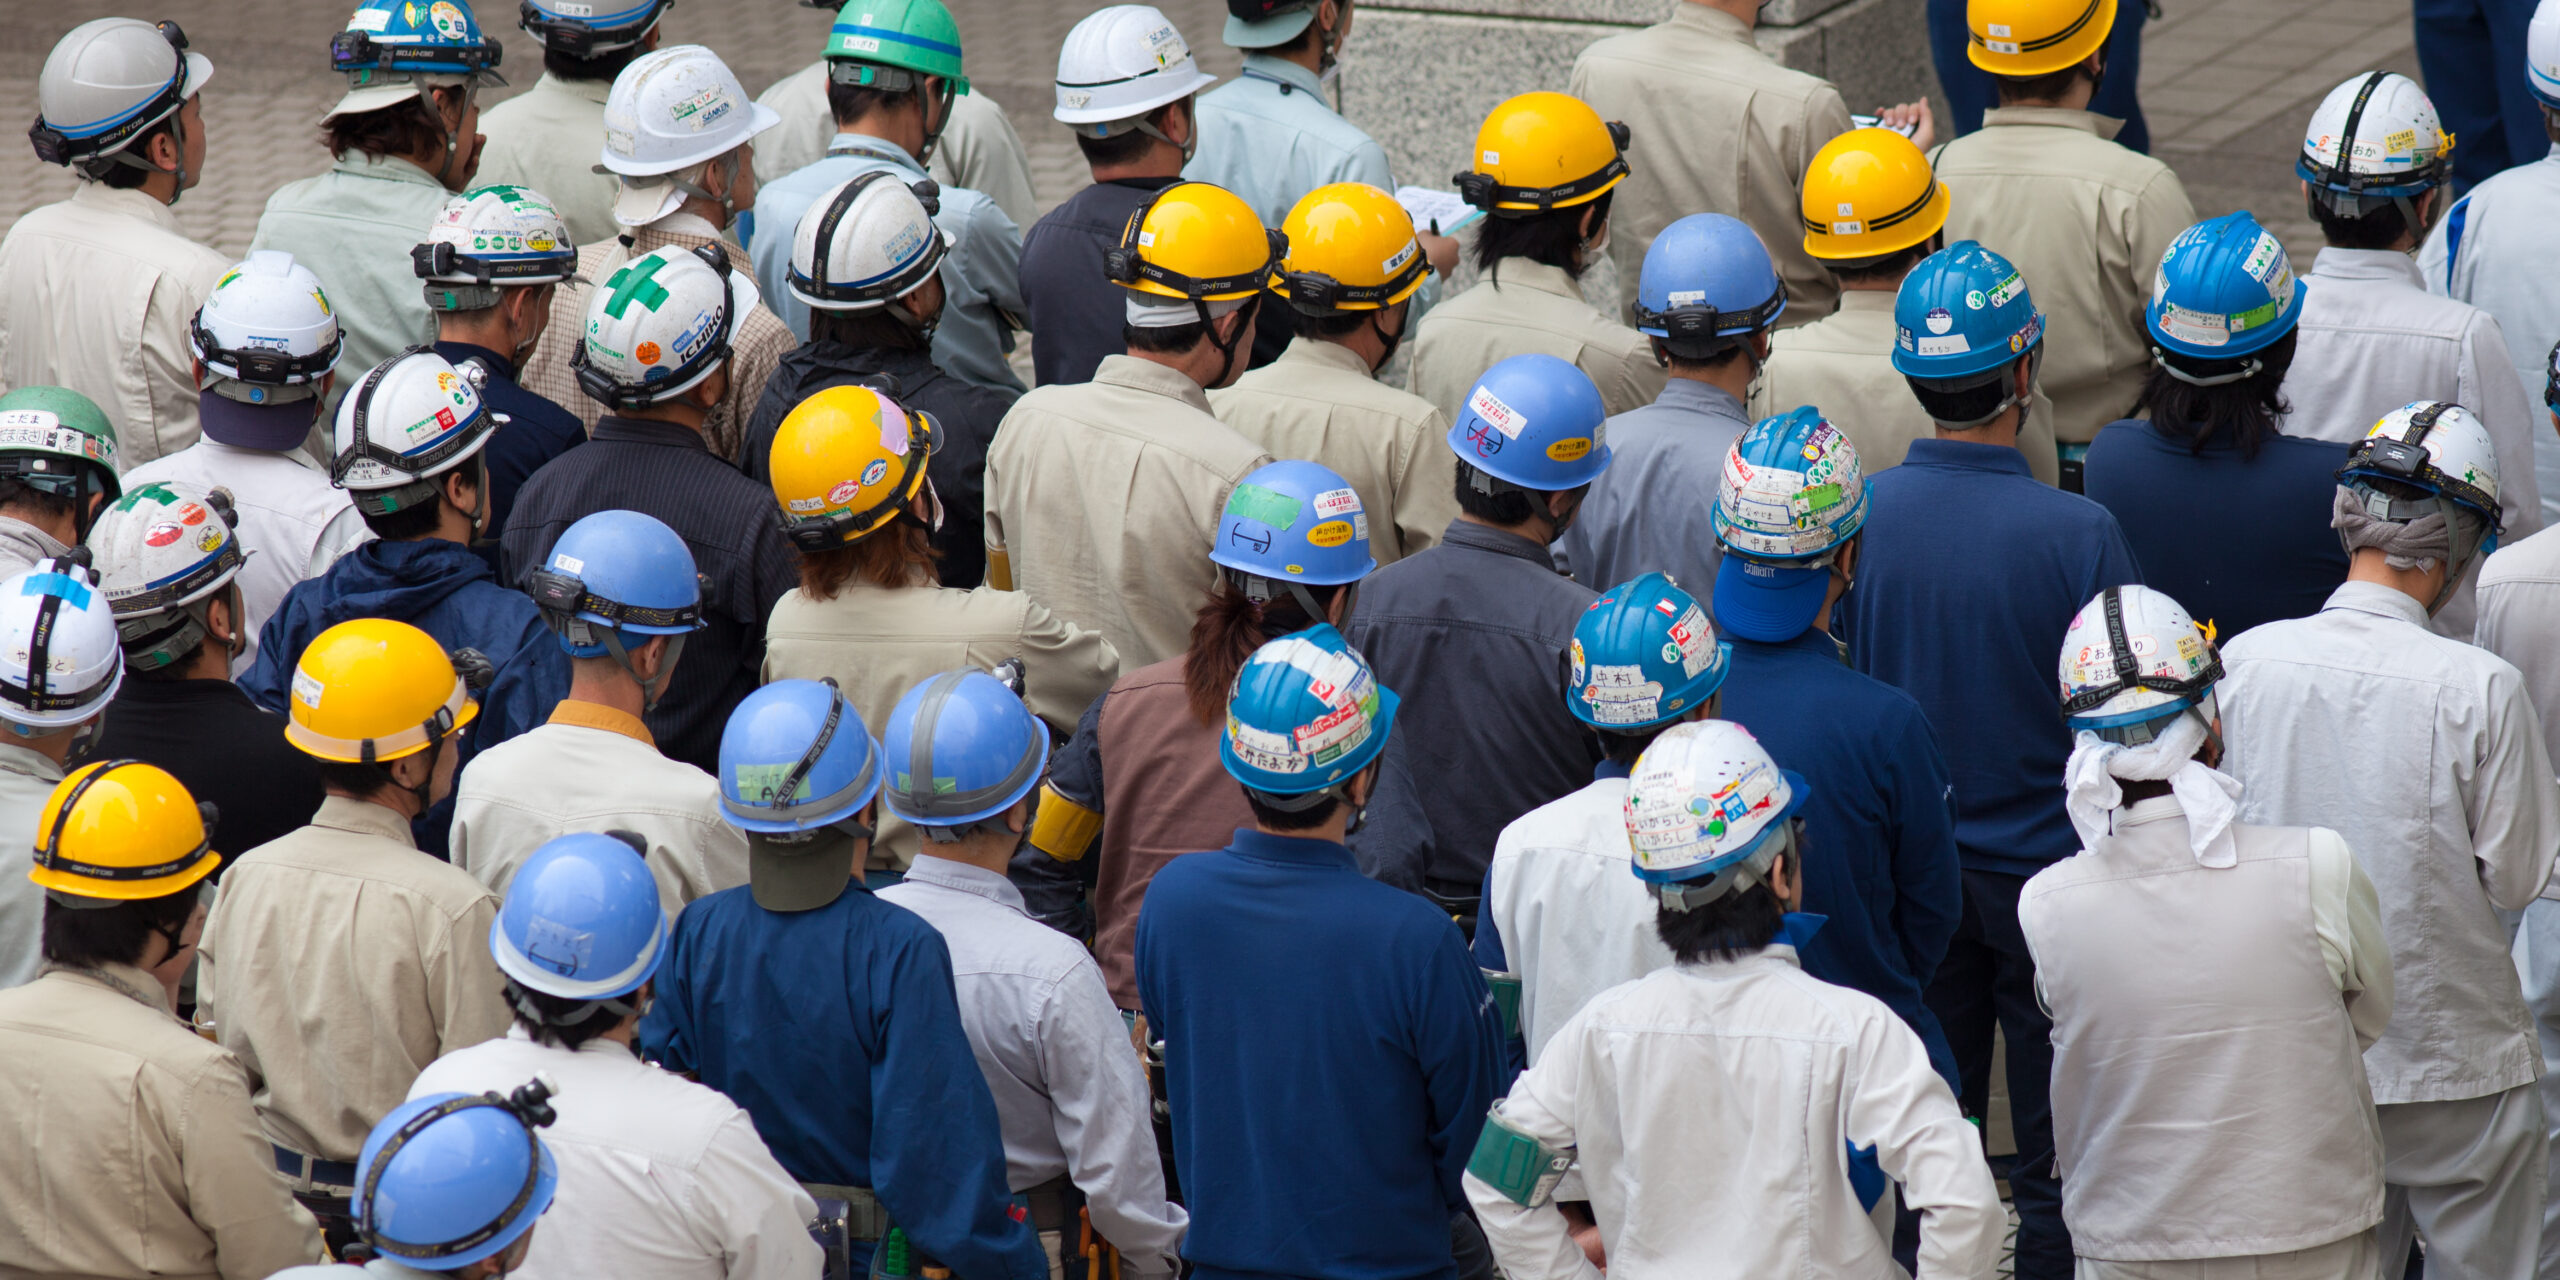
[634, 280]
[154, 490]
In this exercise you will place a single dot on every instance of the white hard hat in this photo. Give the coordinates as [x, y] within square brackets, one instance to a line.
[2375, 140]
[880, 243]
[160, 549]
[1121, 63]
[414, 416]
[60, 661]
[266, 334]
[105, 83]
[661, 324]
[2542, 54]
[668, 111]
[1707, 811]
[489, 238]
[2131, 659]
[2433, 445]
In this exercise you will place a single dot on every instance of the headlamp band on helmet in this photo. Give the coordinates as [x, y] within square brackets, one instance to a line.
[439, 261]
[261, 365]
[355, 53]
[33, 694]
[893, 283]
[177, 590]
[1693, 323]
[2340, 177]
[2406, 461]
[1315, 292]
[455, 443]
[578, 38]
[922, 800]
[529, 1105]
[566, 596]
[2042, 43]
[827, 532]
[48, 851]
[60, 146]
[2129, 673]
[1126, 264]
[1481, 190]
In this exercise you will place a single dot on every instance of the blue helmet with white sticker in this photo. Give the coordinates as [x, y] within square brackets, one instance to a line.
[1793, 492]
[1305, 716]
[1961, 317]
[578, 30]
[581, 921]
[1643, 654]
[795, 757]
[1295, 522]
[1707, 283]
[1532, 422]
[387, 41]
[2224, 290]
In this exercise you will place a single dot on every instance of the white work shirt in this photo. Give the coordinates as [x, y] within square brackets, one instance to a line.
[2519, 615]
[2493, 250]
[96, 293]
[1070, 1096]
[1713, 1106]
[294, 524]
[1573, 918]
[979, 148]
[547, 139]
[27, 779]
[659, 1177]
[2424, 753]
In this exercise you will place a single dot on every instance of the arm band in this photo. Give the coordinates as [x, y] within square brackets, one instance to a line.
[1522, 1168]
[1062, 828]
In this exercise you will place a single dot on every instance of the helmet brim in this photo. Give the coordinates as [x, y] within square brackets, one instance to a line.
[1770, 609]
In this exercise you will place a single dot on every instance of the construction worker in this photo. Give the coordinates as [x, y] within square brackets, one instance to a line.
[137, 1150]
[266, 347]
[864, 259]
[1861, 179]
[452, 1184]
[1968, 571]
[1700, 63]
[658, 1175]
[885, 1087]
[1472, 627]
[619, 591]
[660, 350]
[405, 136]
[1321, 1114]
[1560, 922]
[2271, 1132]
[2085, 219]
[893, 68]
[340, 960]
[1650, 512]
[684, 188]
[492, 262]
[1971, 91]
[2463, 1138]
[422, 488]
[2482, 251]
[1887, 876]
[867, 613]
[1352, 272]
[96, 290]
[1126, 87]
[2470, 47]
[1137, 786]
[169, 558]
[2372, 337]
[546, 138]
[1070, 1098]
[57, 472]
[66, 668]
[1803, 1098]
[1546, 195]
[1099, 494]
[2224, 512]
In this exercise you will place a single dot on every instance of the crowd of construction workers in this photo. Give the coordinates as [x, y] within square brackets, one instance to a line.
[577, 714]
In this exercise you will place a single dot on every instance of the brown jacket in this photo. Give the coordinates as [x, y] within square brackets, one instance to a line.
[1164, 794]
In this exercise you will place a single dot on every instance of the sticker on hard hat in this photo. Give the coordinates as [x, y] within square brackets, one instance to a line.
[449, 20]
[1576, 653]
[1569, 450]
[647, 352]
[843, 492]
[1973, 300]
[1686, 297]
[703, 109]
[2266, 260]
[875, 473]
[1953, 344]
[210, 539]
[1848, 228]
[568, 564]
[803, 506]
[307, 689]
[191, 513]
[2195, 328]
[2003, 292]
[370, 20]
[1074, 99]
[161, 535]
[1332, 533]
[1501, 416]
[1939, 319]
[1394, 264]
[1265, 505]
[1337, 502]
[2001, 46]
[1694, 639]
[1638, 703]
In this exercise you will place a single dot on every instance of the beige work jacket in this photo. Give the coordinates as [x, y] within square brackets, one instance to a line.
[1319, 402]
[879, 642]
[1519, 307]
[133, 1152]
[2085, 221]
[547, 138]
[96, 293]
[1667, 82]
[1105, 495]
[1842, 364]
[338, 961]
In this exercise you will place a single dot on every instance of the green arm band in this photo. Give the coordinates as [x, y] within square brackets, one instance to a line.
[1506, 999]
[1522, 1168]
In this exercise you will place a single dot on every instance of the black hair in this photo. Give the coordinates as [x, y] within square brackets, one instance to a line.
[419, 520]
[1888, 269]
[2049, 87]
[1728, 928]
[1967, 404]
[125, 177]
[1172, 340]
[1554, 237]
[2245, 413]
[1507, 508]
[1334, 327]
[87, 937]
[1623, 748]
[44, 502]
[355, 777]
[603, 66]
[568, 1036]
[2376, 228]
[871, 329]
[1128, 145]
[1733, 349]
[1307, 819]
[851, 102]
[405, 129]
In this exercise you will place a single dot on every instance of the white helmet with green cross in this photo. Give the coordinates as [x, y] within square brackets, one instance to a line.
[660, 324]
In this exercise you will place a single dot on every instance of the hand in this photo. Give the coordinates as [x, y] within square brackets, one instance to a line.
[1585, 1232]
[1914, 118]
[1441, 250]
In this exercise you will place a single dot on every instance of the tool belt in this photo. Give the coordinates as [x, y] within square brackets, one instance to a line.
[855, 1207]
[1053, 1204]
[327, 1189]
[307, 1171]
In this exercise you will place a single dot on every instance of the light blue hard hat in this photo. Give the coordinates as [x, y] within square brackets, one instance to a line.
[1707, 280]
[2224, 290]
[1534, 422]
[1643, 654]
[1304, 715]
[795, 757]
[581, 921]
[578, 31]
[389, 40]
[451, 1178]
[1962, 314]
[617, 573]
[960, 750]
[1295, 522]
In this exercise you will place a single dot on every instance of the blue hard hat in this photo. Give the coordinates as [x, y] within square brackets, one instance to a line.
[451, 1178]
[2224, 289]
[581, 920]
[1793, 491]
[1643, 654]
[1536, 422]
[960, 748]
[1707, 277]
[577, 31]
[795, 756]
[621, 571]
[1962, 312]
[391, 39]
[1305, 713]
[1296, 522]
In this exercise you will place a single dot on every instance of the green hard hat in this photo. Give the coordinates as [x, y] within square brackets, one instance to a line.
[54, 422]
[916, 35]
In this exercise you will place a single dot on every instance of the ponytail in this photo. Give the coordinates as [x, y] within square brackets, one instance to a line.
[1225, 633]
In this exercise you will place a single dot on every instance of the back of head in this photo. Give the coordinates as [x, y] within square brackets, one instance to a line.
[845, 466]
[1961, 321]
[165, 552]
[669, 113]
[2374, 146]
[1532, 425]
[580, 44]
[1118, 70]
[448, 1179]
[265, 342]
[408, 422]
[797, 770]
[2222, 316]
[661, 325]
[1643, 657]
[1196, 254]
[579, 931]
[2132, 661]
[1707, 286]
[1293, 537]
[489, 239]
[1708, 815]
[2422, 487]
[1871, 202]
[2036, 49]
[1306, 718]
[615, 581]
[961, 750]
[394, 53]
[866, 242]
[371, 691]
[1351, 253]
[1539, 159]
[1793, 494]
[121, 851]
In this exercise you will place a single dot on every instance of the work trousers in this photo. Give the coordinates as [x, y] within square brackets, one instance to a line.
[1989, 977]
[2471, 54]
[2538, 963]
[1971, 91]
[2465, 1176]
[2358, 1257]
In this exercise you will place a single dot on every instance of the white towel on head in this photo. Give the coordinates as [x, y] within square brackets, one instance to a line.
[2091, 794]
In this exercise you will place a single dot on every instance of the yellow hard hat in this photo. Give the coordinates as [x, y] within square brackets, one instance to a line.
[1194, 241]
[1351, 248]
[2035, 37]
[845, 462]
[1868, 193]
[373, 690]
[1542, 151]
[121, 831]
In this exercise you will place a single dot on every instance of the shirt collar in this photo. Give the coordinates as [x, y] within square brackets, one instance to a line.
[863, 144]
[132, 202]
[1146, 375]
[2155, 809]
[960, 877]
[649, 431]
[1701, 397]
[1307, 349]
[599, 1044]
[1608, 769]
[1966, 454]
[690, 230]
[386, 168]
[1479, 537]
[1810, 640]
[1868, 300]
[365, 818]
[19, 534]
[31, 763]
[1293, 850]
[130, 981]
[1263, 66]
[2378, 600]
[1714, 22]
[2367, 264]
[596, 715]
[1529, 273]
[2058, 117]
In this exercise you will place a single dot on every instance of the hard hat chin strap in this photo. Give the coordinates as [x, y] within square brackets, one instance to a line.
[2249, 368]
[611, 639]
